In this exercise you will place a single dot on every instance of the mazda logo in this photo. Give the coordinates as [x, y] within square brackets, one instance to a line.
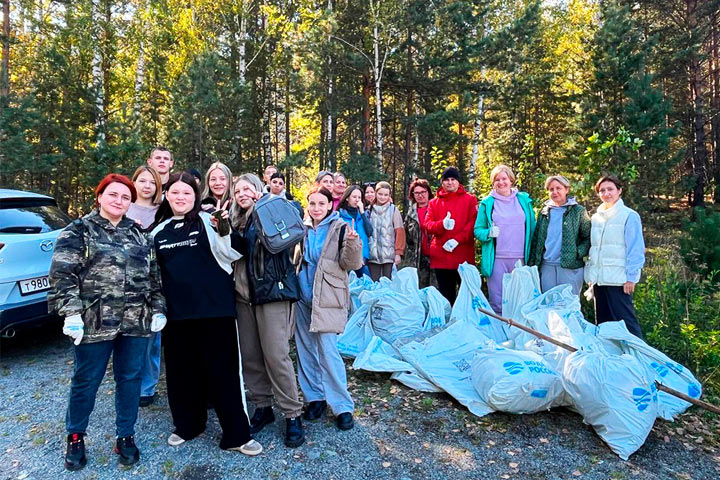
[46, 245]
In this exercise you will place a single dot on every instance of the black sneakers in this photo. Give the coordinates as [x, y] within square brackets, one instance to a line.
[147, 401]
[75, 454]
[315, 410]
[127, 451]
[294, 433]
[345, 421]
[262, 416]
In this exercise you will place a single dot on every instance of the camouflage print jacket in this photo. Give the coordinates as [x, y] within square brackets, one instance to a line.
[107, 274]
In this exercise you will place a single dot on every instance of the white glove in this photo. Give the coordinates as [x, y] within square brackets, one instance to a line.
[494, 231]
[74, 328]
[450, 245]
[448, 222]
[158, 322]
[589, 293]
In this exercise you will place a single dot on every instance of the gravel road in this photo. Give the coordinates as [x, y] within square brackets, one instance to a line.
[399, 434]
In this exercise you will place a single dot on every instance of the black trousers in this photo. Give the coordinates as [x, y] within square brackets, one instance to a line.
[202, 362]
[448, 283]
[612, 304]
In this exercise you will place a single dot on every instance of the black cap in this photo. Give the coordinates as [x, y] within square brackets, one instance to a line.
[451, 172]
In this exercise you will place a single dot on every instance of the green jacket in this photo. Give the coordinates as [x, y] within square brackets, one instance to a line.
[109, 275]
[575, 237]
[484, 222]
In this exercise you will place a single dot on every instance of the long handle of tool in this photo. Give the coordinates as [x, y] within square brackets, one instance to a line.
[707, 406]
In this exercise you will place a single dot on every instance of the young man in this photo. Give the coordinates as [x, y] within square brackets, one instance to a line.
[270, 170]
[162, 161]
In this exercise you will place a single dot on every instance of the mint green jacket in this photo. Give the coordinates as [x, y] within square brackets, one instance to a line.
[484, 222]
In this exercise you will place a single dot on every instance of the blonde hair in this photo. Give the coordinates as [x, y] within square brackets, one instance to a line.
[157, 198]
[498, 170]
[557, 178]
[228, 177]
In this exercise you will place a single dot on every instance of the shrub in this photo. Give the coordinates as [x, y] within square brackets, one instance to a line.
[700, 243]
[679, 312]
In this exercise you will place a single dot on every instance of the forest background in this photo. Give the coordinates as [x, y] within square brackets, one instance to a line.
[392, 89]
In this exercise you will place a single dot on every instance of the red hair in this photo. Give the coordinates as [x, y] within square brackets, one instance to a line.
[115, 178]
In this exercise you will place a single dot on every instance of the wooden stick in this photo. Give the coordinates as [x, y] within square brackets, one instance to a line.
[707, 406]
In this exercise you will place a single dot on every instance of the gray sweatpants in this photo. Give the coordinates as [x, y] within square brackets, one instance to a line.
[321, 371]
[265, 332]
[554, 275]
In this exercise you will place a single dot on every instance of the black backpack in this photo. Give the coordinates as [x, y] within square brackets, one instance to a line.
[278, 222]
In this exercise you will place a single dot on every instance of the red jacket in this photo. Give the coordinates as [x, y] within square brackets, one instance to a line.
[463, 209]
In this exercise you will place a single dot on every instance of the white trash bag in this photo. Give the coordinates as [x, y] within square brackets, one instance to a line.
[515, 381]
[396, 310]
[520, 287]
[444, 357]
[615, 394]
[380, 356]
[470, 297]
[666, 371]
[358, 333]
[437, 308]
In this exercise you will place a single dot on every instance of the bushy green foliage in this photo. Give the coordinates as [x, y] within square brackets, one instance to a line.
[679, 311]
[700, 243]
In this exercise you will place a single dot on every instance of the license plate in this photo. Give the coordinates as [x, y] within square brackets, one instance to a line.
[34, 285]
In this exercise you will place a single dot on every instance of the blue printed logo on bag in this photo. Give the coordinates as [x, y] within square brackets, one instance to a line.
[642, 398]
[513, 368]
[662, 370]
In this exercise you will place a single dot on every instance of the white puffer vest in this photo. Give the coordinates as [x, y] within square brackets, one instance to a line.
[606, 262]
[382, 242]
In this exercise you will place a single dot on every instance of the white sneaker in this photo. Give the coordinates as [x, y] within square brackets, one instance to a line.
[250, 449]
[175, 440]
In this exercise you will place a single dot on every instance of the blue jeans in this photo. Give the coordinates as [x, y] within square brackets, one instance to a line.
[151, 366]
[91, 360]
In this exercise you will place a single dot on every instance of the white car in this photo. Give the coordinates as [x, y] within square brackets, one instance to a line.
[29, 226]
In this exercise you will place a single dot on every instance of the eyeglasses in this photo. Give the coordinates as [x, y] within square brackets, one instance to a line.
[420, 192]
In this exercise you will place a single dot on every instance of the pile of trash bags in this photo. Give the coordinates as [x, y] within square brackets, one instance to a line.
[415, 335]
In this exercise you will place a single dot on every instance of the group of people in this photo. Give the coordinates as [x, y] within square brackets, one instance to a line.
[184, 254]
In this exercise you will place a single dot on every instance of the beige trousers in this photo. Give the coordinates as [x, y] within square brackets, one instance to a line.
[265, 332]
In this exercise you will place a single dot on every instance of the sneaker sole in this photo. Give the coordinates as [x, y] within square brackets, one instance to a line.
[127, 461]
[74, 468]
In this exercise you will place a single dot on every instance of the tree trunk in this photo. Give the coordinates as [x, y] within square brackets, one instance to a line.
[700, 150]
[139, 79]
[97, 76]
[378, 97]
[5, 73]
[715, 122]
[329, 128]
[366, 92]
[408, 123]
[241, 42]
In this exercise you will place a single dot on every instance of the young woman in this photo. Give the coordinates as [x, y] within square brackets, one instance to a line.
[218, 186]
[387, 244]
[352, 211]
[105, 283]
[368, 193]
[202, 358]
[617, 255]
[417, 253]
[339, 186]
[505, 225]
[331, 249]
[561, 239]
[149, 195]
[266, 286]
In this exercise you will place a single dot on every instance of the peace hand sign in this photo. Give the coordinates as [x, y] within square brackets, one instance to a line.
[351, 232]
